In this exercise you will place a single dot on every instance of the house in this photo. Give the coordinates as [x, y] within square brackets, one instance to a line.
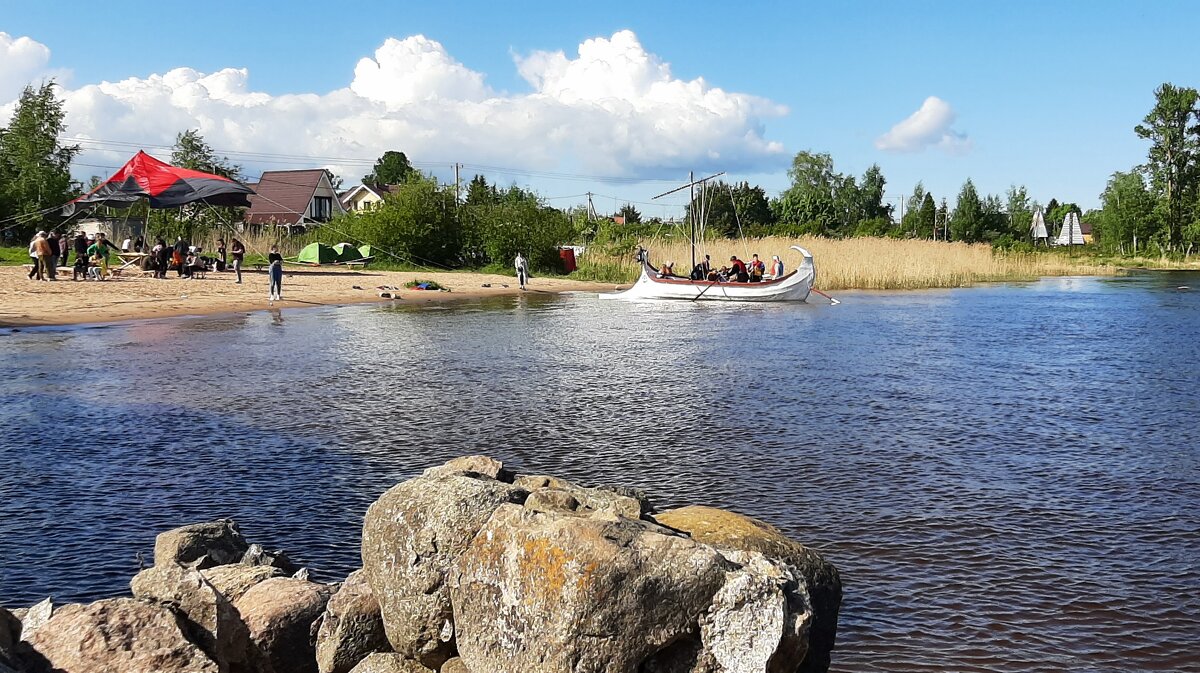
[364, 196]
[1085, 228]
[293, 199]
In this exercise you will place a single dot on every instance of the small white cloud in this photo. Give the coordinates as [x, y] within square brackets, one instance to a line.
[929, 126]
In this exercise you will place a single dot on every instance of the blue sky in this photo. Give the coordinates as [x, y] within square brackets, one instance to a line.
[1041, 94]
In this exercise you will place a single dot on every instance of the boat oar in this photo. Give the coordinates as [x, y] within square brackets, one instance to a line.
[832, 301]
[710, 284]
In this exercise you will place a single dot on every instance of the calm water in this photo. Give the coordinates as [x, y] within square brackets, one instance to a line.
[1007, 477]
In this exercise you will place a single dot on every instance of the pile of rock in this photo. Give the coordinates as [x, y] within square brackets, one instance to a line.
[466, 568]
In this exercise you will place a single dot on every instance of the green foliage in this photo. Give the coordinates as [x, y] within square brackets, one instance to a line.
[392, 168]
[927, 218]
[629, 214]
[727, 206]
[193, 221]
[34, 166]
[1020, 212]
[417, 222]
[967, 222]
[1173, 129]
[1128, 213]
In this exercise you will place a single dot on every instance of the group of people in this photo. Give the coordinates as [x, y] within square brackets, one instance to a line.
[92, 253]
[737, 271]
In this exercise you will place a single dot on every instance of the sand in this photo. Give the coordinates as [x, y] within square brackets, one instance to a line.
[25, 303]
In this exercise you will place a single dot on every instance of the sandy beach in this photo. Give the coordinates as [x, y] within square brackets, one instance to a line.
[25, 303]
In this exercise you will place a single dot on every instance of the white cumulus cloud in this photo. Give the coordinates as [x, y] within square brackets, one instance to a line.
[612, 108]
[22, 61]
[929, 126]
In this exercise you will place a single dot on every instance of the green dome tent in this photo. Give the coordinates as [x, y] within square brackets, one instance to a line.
[317, 253]
[347, 253]
[366, 251]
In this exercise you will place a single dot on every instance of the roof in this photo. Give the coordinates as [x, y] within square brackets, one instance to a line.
[282, 197]
[1085, 228]
[377, 190]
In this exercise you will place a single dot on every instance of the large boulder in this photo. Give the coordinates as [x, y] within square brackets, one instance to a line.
[35, 617]
[732, 531]
[351, 628]
[213, 623]
[128, 635]
[235, 579]
[542, 591]
[281, 614]
[411, 537]
[203, 545]
[389, 662]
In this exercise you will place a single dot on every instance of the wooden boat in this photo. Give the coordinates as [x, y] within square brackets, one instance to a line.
[794, 286]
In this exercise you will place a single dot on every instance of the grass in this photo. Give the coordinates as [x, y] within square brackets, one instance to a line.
[872, 263]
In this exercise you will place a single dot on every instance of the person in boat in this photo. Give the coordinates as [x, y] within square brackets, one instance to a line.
[776, 267]
[756, 269]
[667, 270]
[737, 270]
[703, 270]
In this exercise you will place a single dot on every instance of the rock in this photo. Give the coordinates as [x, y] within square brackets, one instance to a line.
[389, 662]
[552, 499]
[301, 574]
[411, 536]
[128, 635]
[210, 618]
[615, 499]
[352, 627]
[234, 579]
[256, 555]
[203, 545]
[732, 531]
[758, 621]
[281, 613]
[35, 617]
[10, 635]
[454, 665]
[476, 466]
[555, 591]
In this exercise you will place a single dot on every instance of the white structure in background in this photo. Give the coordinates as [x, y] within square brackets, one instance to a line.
[1037, 229]
[1071, 233]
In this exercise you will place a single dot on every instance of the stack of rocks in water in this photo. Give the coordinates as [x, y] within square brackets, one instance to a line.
[468, 568]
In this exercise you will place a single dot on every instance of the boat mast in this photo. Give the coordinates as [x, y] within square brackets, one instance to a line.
[691, 186]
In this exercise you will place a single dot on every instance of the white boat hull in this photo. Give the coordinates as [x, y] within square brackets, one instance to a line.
[794, 286]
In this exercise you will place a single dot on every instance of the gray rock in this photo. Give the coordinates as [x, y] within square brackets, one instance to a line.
[411, 536]
[234, 579]
[36, 616]
[125, 635]
[389, 662]
[10, 635]
[613, 499]
[472, 466]
[210, 619]
[281, 614]
[202, 545]
[555, 591]
[732, 531]
[351, 628]
[256, 555]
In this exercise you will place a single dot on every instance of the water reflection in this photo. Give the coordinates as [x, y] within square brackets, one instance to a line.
[1005, 475]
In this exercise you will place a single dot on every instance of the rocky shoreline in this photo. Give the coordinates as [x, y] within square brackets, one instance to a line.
[467, 568]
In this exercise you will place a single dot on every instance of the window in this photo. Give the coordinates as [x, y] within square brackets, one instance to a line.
[322, 208]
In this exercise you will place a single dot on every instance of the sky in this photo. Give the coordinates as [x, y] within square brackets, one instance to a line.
[621, 99]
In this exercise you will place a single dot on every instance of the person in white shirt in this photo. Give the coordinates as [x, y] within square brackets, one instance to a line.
[522, 270]
[125, 245]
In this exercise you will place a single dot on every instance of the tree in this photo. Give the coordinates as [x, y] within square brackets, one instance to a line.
[809, 204]
[392, 168]
[870, 196]
[1127, 214]
[909, 224]
[629, 214]
[927, 220]
[1173, 129]
[967, 222]
[733, 210]
[192, 151]
[1020, 212]
[35, 168]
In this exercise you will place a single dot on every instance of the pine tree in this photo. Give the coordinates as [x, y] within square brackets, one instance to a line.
[35, 168]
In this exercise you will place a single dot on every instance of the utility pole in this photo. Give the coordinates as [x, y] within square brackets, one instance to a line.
[457, 166]
[592, 208]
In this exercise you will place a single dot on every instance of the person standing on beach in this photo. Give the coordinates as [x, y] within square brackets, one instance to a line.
[276, 273]
[522, 270]
[39, 254]
[238, 251]
[162, 255]
[81, 245]
[222, 255]
[55, 248]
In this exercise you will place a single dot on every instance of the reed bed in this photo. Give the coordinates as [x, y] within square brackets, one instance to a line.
[867, 263]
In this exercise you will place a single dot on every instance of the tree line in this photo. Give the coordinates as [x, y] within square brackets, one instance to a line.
[1154, 204]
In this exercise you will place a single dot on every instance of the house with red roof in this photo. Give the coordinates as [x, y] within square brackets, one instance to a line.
[293, 199]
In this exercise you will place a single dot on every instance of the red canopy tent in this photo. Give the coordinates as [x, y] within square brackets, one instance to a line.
[164, 185]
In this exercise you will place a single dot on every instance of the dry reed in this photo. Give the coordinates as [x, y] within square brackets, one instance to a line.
[880, 263]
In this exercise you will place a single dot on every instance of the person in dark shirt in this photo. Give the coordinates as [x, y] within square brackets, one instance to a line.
[737, 270]
[81, 245]
[239, 252]
[276, 272]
